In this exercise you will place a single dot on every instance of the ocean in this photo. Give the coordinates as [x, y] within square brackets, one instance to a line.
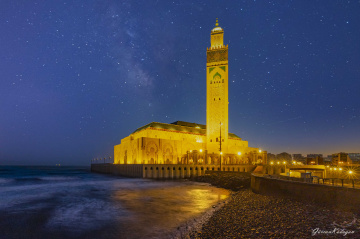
[71, 202]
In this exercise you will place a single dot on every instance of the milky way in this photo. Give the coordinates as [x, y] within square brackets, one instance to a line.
[78, 76]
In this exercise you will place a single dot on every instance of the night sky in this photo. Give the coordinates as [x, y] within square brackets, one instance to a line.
[78, 76]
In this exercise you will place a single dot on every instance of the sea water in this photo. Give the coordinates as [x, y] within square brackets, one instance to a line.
[72, 202]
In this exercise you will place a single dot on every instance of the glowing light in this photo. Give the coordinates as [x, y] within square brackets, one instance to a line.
[350, 172]
[271, 163]
[331, 168]
[239, 153]
[221, 153]
[278, 162]
[200, 150]
[259, 150]
[190, 151]
[335, 169]
[284, 162]
[340, 169]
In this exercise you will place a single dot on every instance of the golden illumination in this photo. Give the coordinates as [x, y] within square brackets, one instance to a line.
[350, 172]
[278, 162]
[331, 168]
[221, 153]
[284, 162]
[163, 143]
[200, 150]
[272, 163]
[335, 169]
[217, 95]
[340, 169]
[259, 150]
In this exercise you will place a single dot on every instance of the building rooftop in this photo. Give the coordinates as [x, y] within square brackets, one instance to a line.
[181, 126]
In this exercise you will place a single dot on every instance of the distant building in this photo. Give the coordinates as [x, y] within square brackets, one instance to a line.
[315, 161]
[355, 157]
[314, 155]
[341, 159]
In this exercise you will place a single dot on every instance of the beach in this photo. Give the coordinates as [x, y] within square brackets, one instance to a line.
[250, 215]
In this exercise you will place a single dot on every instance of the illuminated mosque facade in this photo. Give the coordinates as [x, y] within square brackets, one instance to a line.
[190, 143]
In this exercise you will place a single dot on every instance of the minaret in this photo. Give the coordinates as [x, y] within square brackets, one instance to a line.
[217, 93]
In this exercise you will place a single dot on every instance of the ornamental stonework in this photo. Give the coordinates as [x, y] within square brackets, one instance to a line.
[215, 56]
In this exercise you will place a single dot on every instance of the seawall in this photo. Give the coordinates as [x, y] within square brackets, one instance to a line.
[165, 171]
[341, 197]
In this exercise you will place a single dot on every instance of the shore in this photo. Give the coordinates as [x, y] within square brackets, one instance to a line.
[250, 215]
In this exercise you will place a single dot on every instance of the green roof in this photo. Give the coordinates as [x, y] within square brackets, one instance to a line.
[181, 126]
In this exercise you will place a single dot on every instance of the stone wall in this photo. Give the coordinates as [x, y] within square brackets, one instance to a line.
[340, 197]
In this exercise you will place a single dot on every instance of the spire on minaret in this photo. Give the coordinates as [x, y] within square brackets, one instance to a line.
[217, 22]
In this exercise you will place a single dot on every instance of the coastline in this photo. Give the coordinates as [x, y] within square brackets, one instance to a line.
[194, 225]
[249, 215]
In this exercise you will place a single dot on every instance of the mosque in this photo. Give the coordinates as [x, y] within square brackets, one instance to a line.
[187, 143]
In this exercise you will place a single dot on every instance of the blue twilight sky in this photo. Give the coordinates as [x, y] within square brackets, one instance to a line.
[78, 76]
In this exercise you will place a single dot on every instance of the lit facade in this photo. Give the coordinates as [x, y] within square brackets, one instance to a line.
[191, 143]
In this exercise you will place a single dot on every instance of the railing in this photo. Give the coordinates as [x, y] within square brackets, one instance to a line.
[338, 182]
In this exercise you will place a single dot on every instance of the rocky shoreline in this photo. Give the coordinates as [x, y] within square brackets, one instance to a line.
[250, 215]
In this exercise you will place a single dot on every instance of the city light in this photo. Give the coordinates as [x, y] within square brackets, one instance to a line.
[284, 162]
[278, 162]
[340, 169]
[271, 163]
[200, 150]
[239, 153]
[221, 153]
[350, 172]
[259, 150]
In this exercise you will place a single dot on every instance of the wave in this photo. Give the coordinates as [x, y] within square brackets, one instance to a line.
[5, 180]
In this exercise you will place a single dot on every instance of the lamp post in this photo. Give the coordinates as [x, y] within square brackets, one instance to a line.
[220, 146]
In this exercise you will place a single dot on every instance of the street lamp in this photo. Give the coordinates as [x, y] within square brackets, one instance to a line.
[220, 146]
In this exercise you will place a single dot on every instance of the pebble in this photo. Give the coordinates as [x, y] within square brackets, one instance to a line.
[250, 215]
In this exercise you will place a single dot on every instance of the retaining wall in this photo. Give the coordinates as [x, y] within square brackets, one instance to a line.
[165, 171]
[341, 197]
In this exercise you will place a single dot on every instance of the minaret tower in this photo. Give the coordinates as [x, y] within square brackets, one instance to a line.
[217, 93]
